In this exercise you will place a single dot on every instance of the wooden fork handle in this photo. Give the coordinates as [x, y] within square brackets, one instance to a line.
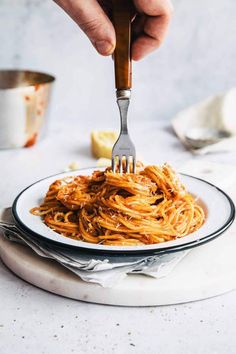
[122, 12]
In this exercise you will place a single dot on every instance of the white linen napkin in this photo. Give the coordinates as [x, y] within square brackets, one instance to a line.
[215, 114]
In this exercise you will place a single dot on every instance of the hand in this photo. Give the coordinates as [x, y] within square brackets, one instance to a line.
[149, 26]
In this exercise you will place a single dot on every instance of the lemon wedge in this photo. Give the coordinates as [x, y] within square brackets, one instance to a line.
[102, 143]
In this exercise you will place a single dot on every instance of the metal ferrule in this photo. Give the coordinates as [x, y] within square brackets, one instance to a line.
[123, 94]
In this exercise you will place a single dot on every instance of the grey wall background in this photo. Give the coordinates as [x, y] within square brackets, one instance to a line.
[196, 60]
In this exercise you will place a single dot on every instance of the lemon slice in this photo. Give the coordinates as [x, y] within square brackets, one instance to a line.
[102, 143]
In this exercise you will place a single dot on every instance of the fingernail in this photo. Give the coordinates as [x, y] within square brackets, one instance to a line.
[104, 47]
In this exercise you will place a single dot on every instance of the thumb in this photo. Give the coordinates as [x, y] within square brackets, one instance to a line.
[93, 21]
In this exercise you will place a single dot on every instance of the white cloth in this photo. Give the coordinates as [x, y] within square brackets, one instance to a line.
[215, 113]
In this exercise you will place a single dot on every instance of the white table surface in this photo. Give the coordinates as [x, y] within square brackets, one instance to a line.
[34, 321]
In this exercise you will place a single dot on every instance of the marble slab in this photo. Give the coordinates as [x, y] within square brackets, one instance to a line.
[207, 271]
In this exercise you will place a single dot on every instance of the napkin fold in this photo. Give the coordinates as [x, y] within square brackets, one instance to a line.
[94, 269]
[215, 114]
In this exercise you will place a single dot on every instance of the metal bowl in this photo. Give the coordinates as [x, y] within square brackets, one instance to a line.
[24, 101]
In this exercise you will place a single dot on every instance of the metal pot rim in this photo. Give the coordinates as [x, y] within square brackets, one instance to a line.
[11, 79]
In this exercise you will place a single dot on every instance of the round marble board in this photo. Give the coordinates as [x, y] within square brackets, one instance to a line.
[206, 271]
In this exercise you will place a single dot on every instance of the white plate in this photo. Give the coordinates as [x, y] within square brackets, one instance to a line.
[219, 209]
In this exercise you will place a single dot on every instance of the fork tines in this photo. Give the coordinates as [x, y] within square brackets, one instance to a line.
[123, 163]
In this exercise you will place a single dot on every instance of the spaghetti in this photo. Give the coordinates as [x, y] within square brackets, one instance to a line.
[150, 206]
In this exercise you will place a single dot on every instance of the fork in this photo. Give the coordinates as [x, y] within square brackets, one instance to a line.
[123, 150]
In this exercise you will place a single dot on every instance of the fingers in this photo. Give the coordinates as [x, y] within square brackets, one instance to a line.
[151, 27]
[154, 7]
[93, 21]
